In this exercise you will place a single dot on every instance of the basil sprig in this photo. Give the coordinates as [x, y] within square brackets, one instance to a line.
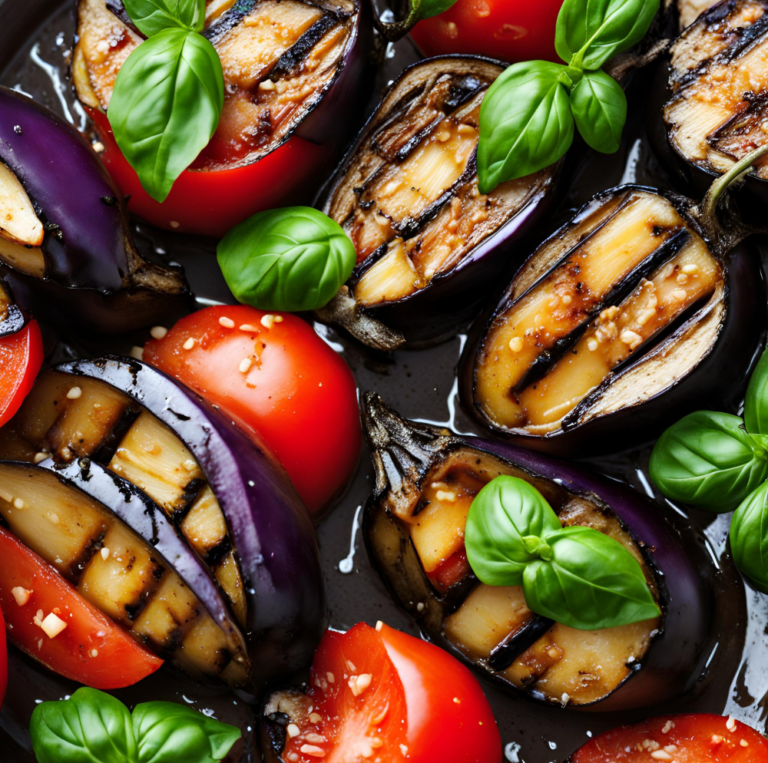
[169, 93]
[94, 727]
[290, 259]
[528, 115]
[417, 10]
[576, 576]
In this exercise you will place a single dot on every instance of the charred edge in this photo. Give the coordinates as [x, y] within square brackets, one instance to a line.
[503, 655]
[740, 124]
[275, 725]
[77, 567]
[302, 47]
[184, 504]
[214, 556]
[132, 611]
[618, 293]
[14, 321]
[109, 445]
[229, 20]
[456, 595]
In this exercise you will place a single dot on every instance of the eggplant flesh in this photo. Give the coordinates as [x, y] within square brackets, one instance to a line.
[414, 527]
[278, 56]
[67, 417]
[718, 81]
[115, 569]
[407, 194]
[629, 286]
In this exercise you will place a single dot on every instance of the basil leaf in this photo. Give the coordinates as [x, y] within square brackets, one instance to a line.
[90, 727]
[152, 16]
[169, 733]
[429, 8]
[506, 522]
[166, 106]
[756, 402]
[599, 108]
[525, 123]
[290, 259]
[592, 582]
[589, 32]
[749, 537]
[708, 460]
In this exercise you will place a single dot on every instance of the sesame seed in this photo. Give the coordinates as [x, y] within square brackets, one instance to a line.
[315, 738]
[158, 332]
[53, 625]
[189, 344]
[420, 606]
[267, 84]
[679, 294]
[38, 618]
[228, 323]
[105, 553]
[94, 652]
[249, 328]
[682, 278]
[21, 595]
[292, 730]
[53, 517]
[74, 393]
[41, 456]
[464, 129]
[310, 749]
[516, 344]
[567, 299]
[98, 147]
[39, 645]
[744, 743]
[137, 353]
[245, 365]
[379, 625]
[443, 136]
[18, 503]
[268, 320]
[661, 755]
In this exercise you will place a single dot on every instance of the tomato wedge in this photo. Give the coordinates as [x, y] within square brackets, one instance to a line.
[382, 696]
[91, 649]
[684, 738]
[3, 660]
[21, 355]
[281, 380]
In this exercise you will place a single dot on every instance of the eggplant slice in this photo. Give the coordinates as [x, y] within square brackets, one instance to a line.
[279, 58]
[414, 531]
[12, 317]
[115, 546]
[428, 243]
[620, 305]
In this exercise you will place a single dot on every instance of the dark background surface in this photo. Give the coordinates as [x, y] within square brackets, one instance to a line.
[35, 40]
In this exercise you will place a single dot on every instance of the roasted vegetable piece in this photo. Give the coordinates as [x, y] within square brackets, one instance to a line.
[290, 68]
[113, 544]
[699, 738]
[65, 234]
[227, 496]
[414, 525]
[626, 312]
[429, 244]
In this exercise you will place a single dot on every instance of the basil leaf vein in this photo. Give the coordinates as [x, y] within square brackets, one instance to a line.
[599, 108]
[166, 105]
[153, 16]
[749, 537]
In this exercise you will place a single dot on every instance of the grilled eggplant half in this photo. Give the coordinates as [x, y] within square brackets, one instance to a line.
[228, 498]
[625, 313]
[429, 244]
[64, 235]
[414, 531]
[115, 545]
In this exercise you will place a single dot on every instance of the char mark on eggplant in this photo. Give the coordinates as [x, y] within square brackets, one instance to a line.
[414, 526]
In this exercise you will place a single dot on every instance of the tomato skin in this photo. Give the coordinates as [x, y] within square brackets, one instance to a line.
[21, 356]
[510, 30]
[299, 396]
[119, 661]
[700, 738]
[211, 203]
[3, 661]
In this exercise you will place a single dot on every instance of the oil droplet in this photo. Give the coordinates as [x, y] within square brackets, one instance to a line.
[347, 564]
[510, 32]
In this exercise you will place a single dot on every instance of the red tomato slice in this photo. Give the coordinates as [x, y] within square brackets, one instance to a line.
[386, 697]
[685, 738]
[91, 649]
[297, 393]
[512, 30]
[21, 356]
[3, 661]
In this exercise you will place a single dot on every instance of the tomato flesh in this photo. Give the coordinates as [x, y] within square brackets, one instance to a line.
[685, 738]
[21, 355]
[382, 696]
[511, 30]
[3, 661]
[91, 649]
[286, 386]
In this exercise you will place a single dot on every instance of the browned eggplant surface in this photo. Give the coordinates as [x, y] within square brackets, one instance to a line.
[619, 306]
[278, 56]
[407, 196]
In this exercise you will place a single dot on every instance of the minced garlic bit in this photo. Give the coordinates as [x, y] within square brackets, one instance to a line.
[175, 224]
[21, 595]
[312, 750]
[315, 738]
[245, 365]
[744, 743]
[592, 344]
[94, 652]
[632, 339]
[189, 465]
[267, 84]
[331, 678]
[228, 323]
[668, 726]
[18, 503]
[404, 749]
[105, 553]
[661, 755]
[158, 332]
[315, 718]
[358, 684]
[444, 495]
[189, 344]
[53, 625]
[268, 320]
[379, 625]
[74, 393]
[292, 730]
[53, 517]
[516, 344]
[250, 328]
[137, 352]
[41, 456]
[567, 299]
[730, 724]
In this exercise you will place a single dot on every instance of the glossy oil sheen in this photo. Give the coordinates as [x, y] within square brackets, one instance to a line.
[420, 385]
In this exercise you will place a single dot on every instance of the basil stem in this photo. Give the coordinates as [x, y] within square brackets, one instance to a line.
[392, 31]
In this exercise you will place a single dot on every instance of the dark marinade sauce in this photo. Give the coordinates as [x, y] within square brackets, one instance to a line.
[35, 38]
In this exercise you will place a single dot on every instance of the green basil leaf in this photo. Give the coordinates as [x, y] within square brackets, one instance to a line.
[290, 259]
[708, 460]
[90, 727]
[170, 733]
[589, 32]
[166, 106]
[506, 524]
[525, 123]
[756, 402]
[592, 582]
[152, 16]
[749, 537]
[429, 8]
[599, 109]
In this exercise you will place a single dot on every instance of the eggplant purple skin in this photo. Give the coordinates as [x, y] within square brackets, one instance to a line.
[270, 527]
[719, 380]
[437, 311]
